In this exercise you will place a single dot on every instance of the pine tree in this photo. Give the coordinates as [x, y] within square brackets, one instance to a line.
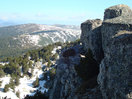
[18, 94]
[17, 81]
[36, 83]
[49, 63]
[6, 88]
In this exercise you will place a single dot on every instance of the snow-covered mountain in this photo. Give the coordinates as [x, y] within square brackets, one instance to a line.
[37, 35]
[44, 34]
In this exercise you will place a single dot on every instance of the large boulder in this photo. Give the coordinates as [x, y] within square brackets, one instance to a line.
[116, 11]
[91, 37]
[115, 77]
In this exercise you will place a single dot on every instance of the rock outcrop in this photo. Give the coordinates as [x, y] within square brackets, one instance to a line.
[66, 79]
[111, 45]
[115, 77]
[91, 37]
[67, 84]
[117, 11]
[113, 37]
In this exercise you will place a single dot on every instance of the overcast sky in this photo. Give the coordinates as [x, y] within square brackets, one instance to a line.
[71, 12]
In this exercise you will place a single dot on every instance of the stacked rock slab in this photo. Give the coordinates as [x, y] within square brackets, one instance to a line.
[115, 77]
[91, 37]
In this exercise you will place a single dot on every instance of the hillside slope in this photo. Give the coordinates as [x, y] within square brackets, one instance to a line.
[20, 38]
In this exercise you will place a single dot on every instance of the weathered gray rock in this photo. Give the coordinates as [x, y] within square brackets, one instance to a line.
[91, 37]
[66, 80]
[113, 37]
[116, 11]
[115, 77]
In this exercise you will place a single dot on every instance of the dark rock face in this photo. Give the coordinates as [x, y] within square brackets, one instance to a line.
[88, 67]
[115, 77]
[91, 37]
[69, 52]
[66, 80]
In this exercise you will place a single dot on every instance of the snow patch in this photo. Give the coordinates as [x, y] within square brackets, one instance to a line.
[25, 87]
[55, 49]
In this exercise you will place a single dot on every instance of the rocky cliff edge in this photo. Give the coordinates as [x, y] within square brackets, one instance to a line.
[110, 41]
[113, 39]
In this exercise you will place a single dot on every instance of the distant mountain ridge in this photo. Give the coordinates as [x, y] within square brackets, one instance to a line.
[27, 36]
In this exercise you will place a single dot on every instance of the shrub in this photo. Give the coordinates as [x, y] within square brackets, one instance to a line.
[6, 88]
[52, 73]
[49, 63]
[0, 83]
[25, 68]
[2, 73]
[12, 84]
[58, 44]
[55, 56]
[17, 81]
[36, 83]
[18, 94]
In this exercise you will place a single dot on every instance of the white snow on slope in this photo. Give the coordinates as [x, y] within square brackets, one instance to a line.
[25, 87]
[48, 27]
[29, 39]
[50, 33]
[55, 49]
[10, 94]
[5, 80]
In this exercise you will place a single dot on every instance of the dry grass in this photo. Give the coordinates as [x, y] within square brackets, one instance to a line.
[122, 33]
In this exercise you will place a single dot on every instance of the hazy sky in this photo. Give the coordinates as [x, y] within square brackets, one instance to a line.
[55, 11]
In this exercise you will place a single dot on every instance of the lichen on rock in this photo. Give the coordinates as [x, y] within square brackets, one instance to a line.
[115, 69]
[117, 11]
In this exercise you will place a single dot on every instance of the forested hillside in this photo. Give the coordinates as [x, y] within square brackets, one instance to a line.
[32, 67]
[15, 40]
